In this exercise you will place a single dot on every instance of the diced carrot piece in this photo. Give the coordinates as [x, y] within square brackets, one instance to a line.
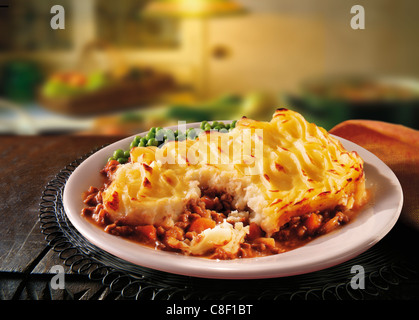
[111, 163]
[313, 222]
[209, 203]
[254, 231]
[200, 224]
[148, 232]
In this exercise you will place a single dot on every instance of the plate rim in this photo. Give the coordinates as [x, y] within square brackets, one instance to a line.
[207, 268]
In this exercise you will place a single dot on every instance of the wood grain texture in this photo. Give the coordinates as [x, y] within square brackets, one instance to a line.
[29, 162]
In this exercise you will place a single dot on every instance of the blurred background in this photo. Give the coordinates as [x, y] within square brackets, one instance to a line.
[120, 67]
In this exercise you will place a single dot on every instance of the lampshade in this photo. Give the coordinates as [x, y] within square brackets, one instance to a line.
[192, 8]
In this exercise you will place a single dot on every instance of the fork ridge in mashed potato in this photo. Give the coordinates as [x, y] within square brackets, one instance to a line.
[272, 171]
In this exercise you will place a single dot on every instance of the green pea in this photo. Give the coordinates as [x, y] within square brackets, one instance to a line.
[181, 136]
[214, 124]
[133, 144]
[143, 142]
[152, 142]
[203, 124]
[119, 153]
[160, 134]
[126, 154]
[233, 124]
[170, 135]
[228, 126]
[122, 160]
[151, 134]
[153, 129]
[207, 127]
[191, 134]
[221, 124]
[111, 158]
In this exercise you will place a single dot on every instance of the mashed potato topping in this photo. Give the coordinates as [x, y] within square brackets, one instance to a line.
[271, 171]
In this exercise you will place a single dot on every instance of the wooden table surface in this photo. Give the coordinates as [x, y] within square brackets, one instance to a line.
[29, 163]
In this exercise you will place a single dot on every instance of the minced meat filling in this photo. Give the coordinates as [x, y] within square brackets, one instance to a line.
[213, 208]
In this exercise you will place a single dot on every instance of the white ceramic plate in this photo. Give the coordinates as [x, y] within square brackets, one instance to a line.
[371, 225]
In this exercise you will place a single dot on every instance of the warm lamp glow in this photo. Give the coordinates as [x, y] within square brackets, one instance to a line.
[200, 9]
[192, 8]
